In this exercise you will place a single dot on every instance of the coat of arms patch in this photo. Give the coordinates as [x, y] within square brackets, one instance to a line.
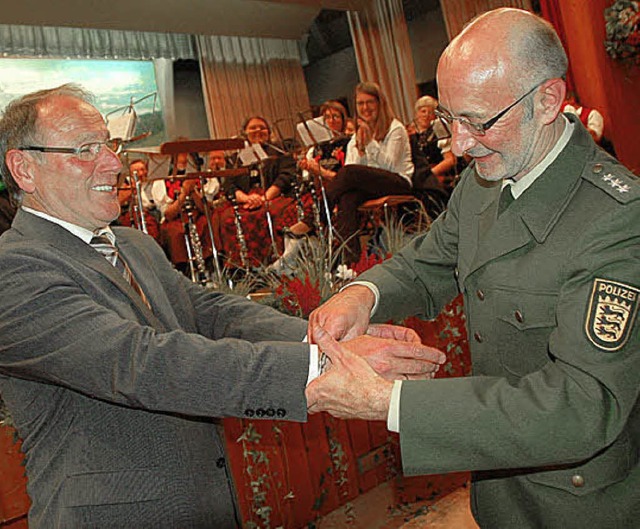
[612, 311]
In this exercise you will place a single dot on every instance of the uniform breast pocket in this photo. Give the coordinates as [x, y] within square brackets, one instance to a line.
[524, 322]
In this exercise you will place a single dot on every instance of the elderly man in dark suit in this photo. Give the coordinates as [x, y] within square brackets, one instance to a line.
[542, 237]
[114, 365]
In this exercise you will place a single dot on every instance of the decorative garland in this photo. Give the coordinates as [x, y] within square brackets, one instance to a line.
[623, 31]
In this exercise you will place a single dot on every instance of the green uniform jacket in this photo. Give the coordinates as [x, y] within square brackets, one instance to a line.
[550, 420]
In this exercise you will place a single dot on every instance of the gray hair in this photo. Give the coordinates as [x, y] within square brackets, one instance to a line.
[19, 126]
[540, 51]
[426, 101]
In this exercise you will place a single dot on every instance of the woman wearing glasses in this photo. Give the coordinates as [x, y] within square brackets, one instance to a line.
[378, 163]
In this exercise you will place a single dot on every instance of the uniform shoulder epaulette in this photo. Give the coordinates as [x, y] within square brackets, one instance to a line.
[614, 179]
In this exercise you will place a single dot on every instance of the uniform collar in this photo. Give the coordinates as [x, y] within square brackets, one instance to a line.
[519, 187]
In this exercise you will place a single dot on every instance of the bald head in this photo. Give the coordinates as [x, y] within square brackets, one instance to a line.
[508, 44]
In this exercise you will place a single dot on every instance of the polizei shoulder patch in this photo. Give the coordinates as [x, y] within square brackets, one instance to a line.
[612, 311]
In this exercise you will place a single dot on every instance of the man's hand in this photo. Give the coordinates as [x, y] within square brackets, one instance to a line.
[345, 315]
[350, 389]
[396, 352]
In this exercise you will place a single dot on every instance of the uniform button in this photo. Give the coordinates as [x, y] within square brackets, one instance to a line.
[597, 168]
[280, 412]
[477, 336]
[260, 412]
[577, 481]
[480, 294]
[456, 273]
[519, 316]
[270, 412]
[220, 462]
[249, 412]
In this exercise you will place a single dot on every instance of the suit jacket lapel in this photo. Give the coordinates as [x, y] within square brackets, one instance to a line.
[48, 233]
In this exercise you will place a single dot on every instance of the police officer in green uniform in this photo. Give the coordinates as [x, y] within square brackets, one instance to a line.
[542, 237]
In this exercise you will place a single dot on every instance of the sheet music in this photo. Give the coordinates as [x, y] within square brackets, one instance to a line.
[319, 131]
[122, 126]
[252, 153]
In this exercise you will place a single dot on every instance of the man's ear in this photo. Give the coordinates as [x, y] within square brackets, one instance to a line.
[553, 95]
[20, 165]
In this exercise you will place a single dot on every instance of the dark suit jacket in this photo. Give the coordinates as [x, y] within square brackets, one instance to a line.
[115, 403]
[551, 416]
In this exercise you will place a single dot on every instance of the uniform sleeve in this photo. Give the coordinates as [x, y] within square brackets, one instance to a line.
[572, 412]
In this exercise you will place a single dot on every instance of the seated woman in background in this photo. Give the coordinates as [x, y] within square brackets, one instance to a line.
[241, 226]
[430, 148]
[321, 162]
[378, 163]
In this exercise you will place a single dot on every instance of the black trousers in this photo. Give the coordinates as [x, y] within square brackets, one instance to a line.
[353, 185]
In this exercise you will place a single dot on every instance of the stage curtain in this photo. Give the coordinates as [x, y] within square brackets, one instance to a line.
[244, 76]
[457, 13]
[383, 53]
[163, 69]
[78, 43]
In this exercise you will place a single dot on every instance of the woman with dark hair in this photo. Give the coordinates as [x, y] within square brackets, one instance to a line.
[242, 226]
[378, 163]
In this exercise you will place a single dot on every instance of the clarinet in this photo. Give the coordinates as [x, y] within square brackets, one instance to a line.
[138, 209]
[242, 242]
[298, 199]
[197, 265]
[316, 211]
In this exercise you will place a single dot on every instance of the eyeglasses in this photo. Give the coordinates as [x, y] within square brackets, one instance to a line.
[367, 103]
[87, 152]
[478, 129]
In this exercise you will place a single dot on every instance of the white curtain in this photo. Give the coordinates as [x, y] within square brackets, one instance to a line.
[164, 80]
[244, 76]
[457, 13]
[383, 52]
[76, 43]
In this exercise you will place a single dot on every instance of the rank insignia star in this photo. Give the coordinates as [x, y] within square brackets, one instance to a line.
[616, 183]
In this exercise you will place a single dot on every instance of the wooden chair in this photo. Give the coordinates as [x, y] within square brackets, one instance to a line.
[376, 212]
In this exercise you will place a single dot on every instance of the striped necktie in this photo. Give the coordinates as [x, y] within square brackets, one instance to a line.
[103, 244]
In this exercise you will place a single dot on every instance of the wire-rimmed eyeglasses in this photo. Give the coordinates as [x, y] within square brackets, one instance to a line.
[87, 152]
[477, 129]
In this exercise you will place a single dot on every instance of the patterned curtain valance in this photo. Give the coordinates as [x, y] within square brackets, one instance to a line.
[76, 43]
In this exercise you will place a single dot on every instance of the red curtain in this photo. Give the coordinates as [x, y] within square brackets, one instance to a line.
[550, 11]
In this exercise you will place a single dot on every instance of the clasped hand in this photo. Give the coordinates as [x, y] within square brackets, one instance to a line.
[358, 384]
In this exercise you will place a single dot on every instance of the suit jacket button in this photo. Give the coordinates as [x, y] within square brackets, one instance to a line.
[478, 337]
[577, 481]
[249, 412]
[280, 412]
[220, 462]
[519, 316]
[270, 412]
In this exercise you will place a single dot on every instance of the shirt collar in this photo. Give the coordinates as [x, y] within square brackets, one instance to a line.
[80, 232]
[519, 187]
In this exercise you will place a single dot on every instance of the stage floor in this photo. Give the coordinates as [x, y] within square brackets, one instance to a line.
[370, 511]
